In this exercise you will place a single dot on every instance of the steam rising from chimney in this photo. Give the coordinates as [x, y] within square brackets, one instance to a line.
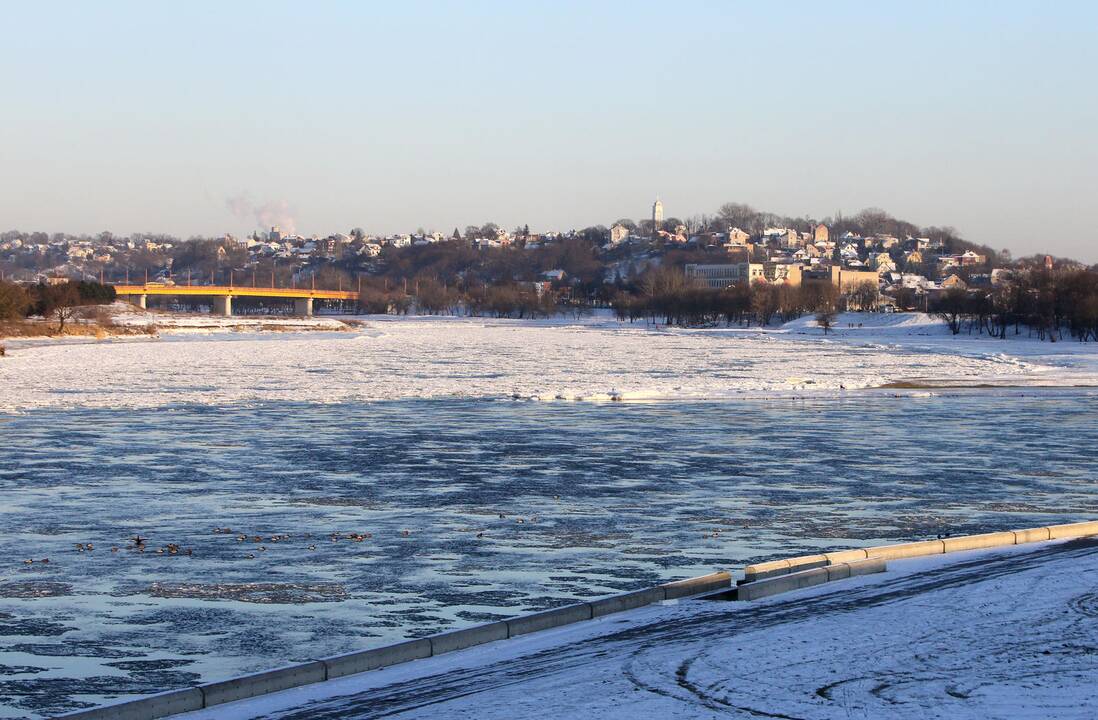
[276, 212]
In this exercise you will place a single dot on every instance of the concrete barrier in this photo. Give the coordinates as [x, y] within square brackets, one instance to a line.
[867, 567]
[906, 550]
[977, 542]
[809, 578]
[146, 708]
[256, 684]
[1074, 530]
[767, 587]
[764, 570]
[461, 639]
[773, 568]
[842, 556]
[777, 568]
[696, 585]
[546, 619]
[1030, 535]
[808, 562]
[626, 601]
[364, 660]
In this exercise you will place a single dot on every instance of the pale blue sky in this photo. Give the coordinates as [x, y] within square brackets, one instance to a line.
[149, 116]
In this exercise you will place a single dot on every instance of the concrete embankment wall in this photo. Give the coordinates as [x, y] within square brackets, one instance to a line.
[256, 684]
[807, 578]
[779, 576]
[761, 580]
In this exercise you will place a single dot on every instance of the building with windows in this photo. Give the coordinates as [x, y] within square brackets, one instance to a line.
[718, 277]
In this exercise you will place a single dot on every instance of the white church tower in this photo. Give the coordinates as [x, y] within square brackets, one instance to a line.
[657, 216]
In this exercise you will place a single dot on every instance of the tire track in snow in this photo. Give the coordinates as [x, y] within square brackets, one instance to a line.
[701, 629]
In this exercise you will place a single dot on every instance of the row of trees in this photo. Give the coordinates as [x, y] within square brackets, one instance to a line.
[430, 297]
[666, 295]
[51, 301]
[1047, 303]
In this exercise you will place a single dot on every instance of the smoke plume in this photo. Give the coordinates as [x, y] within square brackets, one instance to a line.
[276, 212]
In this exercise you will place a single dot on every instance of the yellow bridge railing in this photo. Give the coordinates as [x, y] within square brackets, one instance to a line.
[234, 291]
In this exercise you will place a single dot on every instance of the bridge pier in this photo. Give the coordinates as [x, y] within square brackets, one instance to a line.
[141, 301]
[223, 305]
[303, 307]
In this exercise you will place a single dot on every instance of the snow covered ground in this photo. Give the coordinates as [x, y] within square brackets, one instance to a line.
[1010, 633]
[125, 314]
[594, 358]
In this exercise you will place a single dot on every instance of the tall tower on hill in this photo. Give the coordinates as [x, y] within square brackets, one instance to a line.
[657, 216]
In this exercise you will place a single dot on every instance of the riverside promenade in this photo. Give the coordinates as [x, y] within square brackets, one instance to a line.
[970, 625]
[1002, 633]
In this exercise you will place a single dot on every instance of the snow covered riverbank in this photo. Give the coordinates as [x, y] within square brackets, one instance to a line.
[594, 358]
[1008, 633]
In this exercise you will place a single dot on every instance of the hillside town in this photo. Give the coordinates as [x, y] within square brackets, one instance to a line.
[870, 261]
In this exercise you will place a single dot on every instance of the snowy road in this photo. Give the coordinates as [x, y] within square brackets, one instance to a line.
[1011, 633]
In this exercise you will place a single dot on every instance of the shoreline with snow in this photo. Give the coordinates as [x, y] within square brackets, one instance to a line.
[965, 633]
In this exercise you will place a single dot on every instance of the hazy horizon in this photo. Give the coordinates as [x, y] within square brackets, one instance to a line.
[207, 118]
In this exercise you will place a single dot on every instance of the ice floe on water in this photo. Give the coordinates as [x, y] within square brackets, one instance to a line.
[302, 530]
[387, 485]
[596, 359]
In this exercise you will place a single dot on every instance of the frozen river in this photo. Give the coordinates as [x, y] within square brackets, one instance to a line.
[276, 531]
[467, 510]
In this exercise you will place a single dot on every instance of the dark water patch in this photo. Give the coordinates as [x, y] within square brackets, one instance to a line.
[54, 695]
[21, 669]
[147, 665]
[34, 589]
[76, 648]
[32, 627]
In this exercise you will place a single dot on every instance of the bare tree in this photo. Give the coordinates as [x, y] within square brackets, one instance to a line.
[739, 215]
[951, 307]
[765, 301]
[60, 301]
[864, 296]
[825, 318]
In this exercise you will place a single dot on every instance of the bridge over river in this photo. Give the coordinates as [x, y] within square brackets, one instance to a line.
[222, 295]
